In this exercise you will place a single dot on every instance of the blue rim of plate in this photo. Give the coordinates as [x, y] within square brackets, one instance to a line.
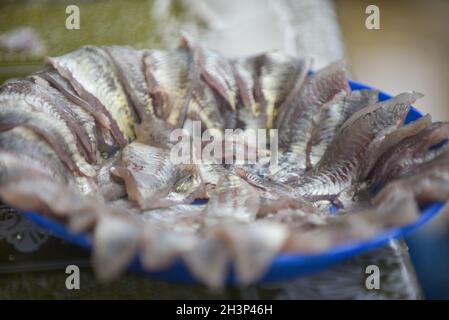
[285, 265]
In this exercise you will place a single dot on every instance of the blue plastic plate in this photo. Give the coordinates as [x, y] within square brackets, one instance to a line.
[285, 265]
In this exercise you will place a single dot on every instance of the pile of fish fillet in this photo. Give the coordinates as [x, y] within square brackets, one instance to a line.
[86, 141]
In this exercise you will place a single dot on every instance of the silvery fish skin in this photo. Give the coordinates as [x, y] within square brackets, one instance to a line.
[410, 164]
[54, 133]
[150, 129]
[267, 188]
[294, 120]
[64, 86]
[92, 73]
[150, 177]
[41, 99]
[243, 69]
[279, 77]
[105, 143]
[342, 163]
[265, 82]
[390, 139]
[155, 133]
[12, 167]
[25, 145]
[203, 105]
[200, 110]
[86, 130]
[24, 151]
[169, 87]
[247, 74]
[131, 71]
[215, 69]
[210, 175]
[189, 185]
[147, 172]
[427, 182]
[409, 153]
[426, 188]
[331, 116]
[15, 171]
[233, 199]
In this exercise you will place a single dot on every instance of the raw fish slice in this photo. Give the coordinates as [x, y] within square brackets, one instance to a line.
[170, 87]
[131, 71]
[40, 99]
[353, 226]
[408, 166]
[106, 145]
[110, 188]
[240, 147]
[233, 199]
[243, 70]
[53, 132]
[270, 206]
[356, 196]
[130, 65]
[342, 163]
[331, 116]
[23, 151]
[295, 118]
[401, 209]
[210, 175]
[265, 82]
[428, 182]
[126, 205]
[148, 173]
[115, 242]
[13, 167]
[91, 72]
[208, 261]
[246, 120]
[215, 69]
[247, 72]
[204, 103]
[409, 153]
[155, 133]
[189, 185]
[279, 77]
[271, 188]
[64, 86]
[85, 129]
[183, 217]
[161, 248]
[253, 247]
[390, 139]
[151, 178]
[297, 218]
[285, 172]
[38, 193]
[25, 146]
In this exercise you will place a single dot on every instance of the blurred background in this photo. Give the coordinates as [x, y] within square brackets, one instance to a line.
[410, 51]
